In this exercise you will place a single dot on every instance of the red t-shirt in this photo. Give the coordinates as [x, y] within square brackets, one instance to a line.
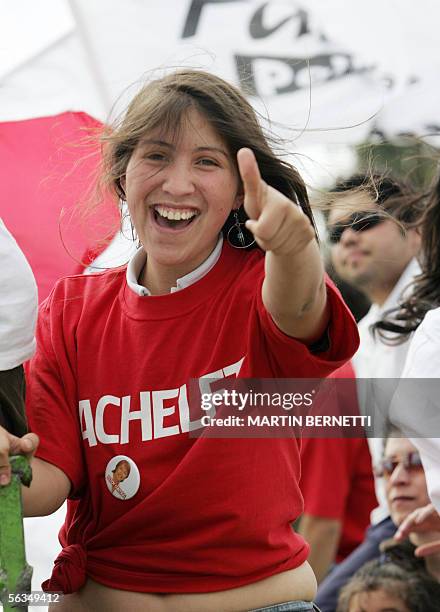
[108, 387]
[336, 476]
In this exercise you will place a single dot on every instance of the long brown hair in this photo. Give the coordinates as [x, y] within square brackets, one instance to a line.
[164, 103]
[425, 291]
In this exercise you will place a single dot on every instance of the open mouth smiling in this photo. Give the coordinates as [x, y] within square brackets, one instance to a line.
[173, 218]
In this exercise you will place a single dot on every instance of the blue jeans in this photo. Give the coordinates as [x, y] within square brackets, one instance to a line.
[289, 606]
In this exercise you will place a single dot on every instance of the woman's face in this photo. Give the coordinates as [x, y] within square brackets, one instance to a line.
[180, 193]
[121, 473]
[405, 487]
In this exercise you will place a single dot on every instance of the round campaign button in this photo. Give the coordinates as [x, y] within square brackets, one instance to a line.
[122, 477]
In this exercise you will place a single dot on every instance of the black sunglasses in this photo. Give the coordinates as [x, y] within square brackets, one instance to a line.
[357, 222]
[410, 461]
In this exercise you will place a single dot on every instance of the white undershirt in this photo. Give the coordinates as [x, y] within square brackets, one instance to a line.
[137, 262]
[18, 303]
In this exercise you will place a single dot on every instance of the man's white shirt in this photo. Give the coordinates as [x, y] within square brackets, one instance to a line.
[375, 359]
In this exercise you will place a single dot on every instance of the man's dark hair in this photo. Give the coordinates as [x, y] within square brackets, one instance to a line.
[385, 187]
[396, 197]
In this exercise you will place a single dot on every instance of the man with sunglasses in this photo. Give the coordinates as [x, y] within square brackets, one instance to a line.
[372, 248]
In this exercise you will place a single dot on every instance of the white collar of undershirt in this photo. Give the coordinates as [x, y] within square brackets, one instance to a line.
[138, 260]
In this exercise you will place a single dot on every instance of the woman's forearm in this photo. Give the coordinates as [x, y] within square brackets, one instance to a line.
[48, 490]
[294, 292]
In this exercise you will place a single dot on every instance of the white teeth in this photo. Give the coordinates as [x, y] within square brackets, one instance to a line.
[174, 215]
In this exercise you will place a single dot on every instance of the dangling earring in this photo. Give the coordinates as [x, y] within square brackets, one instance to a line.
[133, 237]
[127, 224]
[238, 236]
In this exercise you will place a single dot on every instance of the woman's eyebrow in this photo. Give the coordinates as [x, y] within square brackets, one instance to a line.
[162, 143]
[213, 149]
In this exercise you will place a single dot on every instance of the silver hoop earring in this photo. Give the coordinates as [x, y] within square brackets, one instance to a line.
[127, 226]
[238, 236]
[134, 236]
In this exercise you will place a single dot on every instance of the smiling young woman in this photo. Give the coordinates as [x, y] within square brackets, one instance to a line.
[179, 195]
[204, 524]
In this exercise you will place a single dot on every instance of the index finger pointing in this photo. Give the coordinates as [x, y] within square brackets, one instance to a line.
[252, 182]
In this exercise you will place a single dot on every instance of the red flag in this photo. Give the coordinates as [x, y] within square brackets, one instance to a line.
[48, 167]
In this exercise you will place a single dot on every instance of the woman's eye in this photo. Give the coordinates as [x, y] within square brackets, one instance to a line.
[206, 161]
[156, 156]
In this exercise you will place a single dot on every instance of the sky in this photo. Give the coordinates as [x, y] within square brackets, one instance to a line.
[27, 27]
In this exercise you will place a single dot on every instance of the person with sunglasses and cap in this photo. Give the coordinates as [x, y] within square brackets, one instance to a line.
[396, 579]
[401, 470]
[374, 248]
[402, 473]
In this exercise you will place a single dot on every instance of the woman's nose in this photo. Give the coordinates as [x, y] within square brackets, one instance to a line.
[178, 180]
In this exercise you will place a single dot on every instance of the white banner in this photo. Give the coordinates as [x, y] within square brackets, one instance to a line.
[275, 51]
[317, 67]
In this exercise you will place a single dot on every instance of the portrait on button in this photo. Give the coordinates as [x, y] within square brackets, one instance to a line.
[122, 477]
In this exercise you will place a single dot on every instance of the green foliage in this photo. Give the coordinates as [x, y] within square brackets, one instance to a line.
[408, 158]
[15, 573]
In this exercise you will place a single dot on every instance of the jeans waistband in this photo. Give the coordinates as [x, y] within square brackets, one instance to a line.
[289, 606]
